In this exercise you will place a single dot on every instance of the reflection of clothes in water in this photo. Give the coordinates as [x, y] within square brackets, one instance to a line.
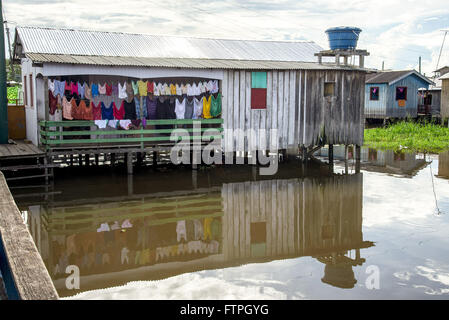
[207, 231]
[144, 257]
[137, 257]
[174, 250]
[190, 230]
[90, 259]
[215, 228]
[162, 253]
[98, 259]
[182, 248]
[63, 263]
[181, 230]
[106, 259]
[70, 244]
[124, 255]
[198, 229]
[194, 246]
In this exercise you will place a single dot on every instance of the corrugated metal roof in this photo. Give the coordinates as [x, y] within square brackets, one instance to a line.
[110, 44]
[183, 63]
[391, 77]
[445, 76]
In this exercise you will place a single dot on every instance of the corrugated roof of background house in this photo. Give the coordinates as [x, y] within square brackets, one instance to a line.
[114, 44]
[391, 77]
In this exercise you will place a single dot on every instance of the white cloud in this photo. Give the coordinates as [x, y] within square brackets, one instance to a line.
[389, 27]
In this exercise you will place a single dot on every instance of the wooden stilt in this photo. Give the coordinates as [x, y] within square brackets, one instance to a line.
[357, 158]
[346, 160]
[155, 156]
[129, 162]
[331, 157]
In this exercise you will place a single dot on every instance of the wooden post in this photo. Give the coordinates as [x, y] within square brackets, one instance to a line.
[357, 159]
[87, 159]
[304, 154]
[195, 179]
[97, 159]
[80, 159]
[112, 159]
[130, 185]
[129, 162]
[346, 159]
[155, 155]
[331, 156]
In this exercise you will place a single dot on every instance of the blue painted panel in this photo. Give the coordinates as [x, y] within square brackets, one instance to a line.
[376, 108]
[412, 83]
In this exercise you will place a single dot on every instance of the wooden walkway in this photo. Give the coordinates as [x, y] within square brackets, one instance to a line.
[25, 265]
[18, 156]
[19, 150]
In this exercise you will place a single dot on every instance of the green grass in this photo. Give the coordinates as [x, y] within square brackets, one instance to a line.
[409, 136]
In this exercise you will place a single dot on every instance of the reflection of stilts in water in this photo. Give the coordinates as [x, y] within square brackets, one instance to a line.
[433, 189]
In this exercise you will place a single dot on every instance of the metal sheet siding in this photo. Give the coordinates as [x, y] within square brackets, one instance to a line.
[376, 108]
[411, 106]
[94, 43]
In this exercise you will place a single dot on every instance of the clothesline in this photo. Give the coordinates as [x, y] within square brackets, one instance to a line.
[133, 88]
[152, 108]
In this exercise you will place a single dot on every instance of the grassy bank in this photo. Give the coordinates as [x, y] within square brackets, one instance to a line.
[409, 136]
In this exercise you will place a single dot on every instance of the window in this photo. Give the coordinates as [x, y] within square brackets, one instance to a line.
[258, 90]
[31, 91]
[401, 93]
[374, 93]
[25, 90]
[329, 89]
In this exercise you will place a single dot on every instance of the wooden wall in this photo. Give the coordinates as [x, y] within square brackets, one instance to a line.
[302, 216]
[296, 107]
[445, 99]
[375, 109]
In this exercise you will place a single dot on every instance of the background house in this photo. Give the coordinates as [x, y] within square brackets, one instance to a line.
[393, 94]
[445, 96]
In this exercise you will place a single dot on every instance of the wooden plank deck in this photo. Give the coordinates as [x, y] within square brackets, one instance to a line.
[19, 150]
[25, 265]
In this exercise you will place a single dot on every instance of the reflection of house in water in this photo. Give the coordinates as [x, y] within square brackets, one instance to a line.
[385, 161]
[159, 235]
[443, 165]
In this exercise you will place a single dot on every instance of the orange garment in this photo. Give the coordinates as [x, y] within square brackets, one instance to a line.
[66, 109]
[86, 112]
[76, 111]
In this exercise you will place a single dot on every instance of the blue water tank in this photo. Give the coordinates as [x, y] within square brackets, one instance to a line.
[343, 37]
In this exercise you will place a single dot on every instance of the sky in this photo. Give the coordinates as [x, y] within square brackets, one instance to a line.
[395, 32]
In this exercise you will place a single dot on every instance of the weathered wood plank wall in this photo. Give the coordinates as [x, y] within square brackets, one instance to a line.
[296, 107]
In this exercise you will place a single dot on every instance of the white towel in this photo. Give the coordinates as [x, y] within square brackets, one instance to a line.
[101, 123]
[113, 123]
[125, 124]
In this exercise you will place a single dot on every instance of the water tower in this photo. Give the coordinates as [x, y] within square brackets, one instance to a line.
[343, 43]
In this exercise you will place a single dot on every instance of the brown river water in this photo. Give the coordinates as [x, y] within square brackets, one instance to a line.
[228, 233]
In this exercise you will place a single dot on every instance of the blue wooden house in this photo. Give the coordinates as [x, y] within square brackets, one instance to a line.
[393, 94]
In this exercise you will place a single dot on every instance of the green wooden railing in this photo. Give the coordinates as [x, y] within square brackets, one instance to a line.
[79, 132]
